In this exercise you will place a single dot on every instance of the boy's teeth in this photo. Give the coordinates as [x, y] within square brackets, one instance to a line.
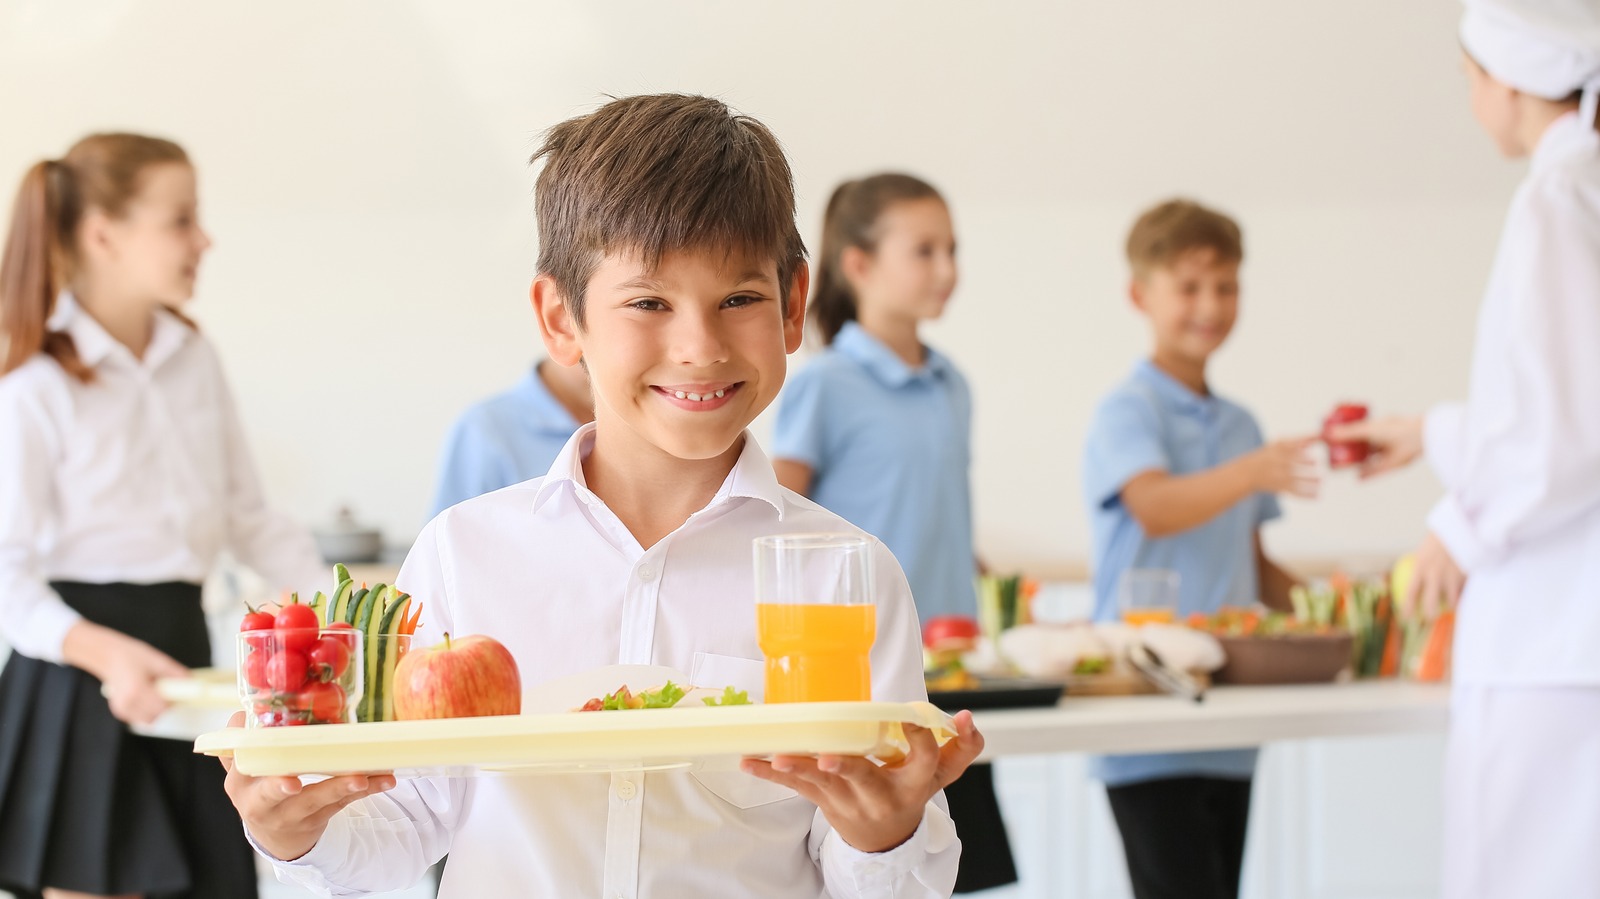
[698, 397]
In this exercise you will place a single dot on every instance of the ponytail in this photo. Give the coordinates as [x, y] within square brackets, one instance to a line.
[30, 269]
[102, 172]
[851, 220]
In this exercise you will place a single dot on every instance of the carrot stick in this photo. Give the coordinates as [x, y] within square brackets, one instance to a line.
[1435, 662]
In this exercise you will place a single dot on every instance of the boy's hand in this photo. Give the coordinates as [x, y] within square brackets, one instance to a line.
[1436, 578]
[876, 808]
[1284, 466]
[287, 817]
[1396, 441]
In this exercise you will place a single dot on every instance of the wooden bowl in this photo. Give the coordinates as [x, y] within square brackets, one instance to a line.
[1289, 659]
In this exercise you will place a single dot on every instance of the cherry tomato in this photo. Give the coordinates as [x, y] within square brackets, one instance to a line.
[330, 658]
[296, 626]
[342, 625]
[324, 702]
[256, 620]
[255, 668]
[287, 671]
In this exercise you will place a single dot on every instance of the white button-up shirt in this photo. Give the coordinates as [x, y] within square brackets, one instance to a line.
[547, 569]
[1521, 458]
[141, 476]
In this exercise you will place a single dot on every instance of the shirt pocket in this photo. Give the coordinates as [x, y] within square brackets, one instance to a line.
[741, 790]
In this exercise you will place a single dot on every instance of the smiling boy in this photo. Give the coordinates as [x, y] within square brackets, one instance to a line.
[671, 269]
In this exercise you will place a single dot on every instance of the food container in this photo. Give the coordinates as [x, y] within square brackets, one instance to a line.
[297, 676]
[348, 541]
[1345, 453]
[1287, 659]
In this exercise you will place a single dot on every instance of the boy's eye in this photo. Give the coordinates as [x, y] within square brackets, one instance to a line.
[648, 304]
[739, 300]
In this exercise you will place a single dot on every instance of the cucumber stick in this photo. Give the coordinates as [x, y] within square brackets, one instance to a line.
[366, 618]
[388, 654]
[340, 601]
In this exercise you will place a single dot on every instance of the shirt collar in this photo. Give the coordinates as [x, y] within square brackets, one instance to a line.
[1172, 391]
[876, 357]
[752, 476]
[1564, 137]
[95, 344]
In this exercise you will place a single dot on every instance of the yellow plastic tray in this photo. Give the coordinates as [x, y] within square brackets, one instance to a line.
[575, 742]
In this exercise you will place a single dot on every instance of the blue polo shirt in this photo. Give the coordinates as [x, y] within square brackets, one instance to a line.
[506, 439]
[890, 447]
[1153, 422]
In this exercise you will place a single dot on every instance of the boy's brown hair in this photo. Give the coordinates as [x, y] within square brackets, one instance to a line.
[1176, 227]
[656, 174]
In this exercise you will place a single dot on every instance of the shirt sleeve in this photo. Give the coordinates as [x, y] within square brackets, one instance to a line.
[470, 465]
[33, 619]
[798, 433]
[1529, 457]
[1124, 441]
[388, 842]
[925, 865]
[265, 539]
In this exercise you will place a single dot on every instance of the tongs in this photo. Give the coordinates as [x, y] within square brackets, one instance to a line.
[1169, 679]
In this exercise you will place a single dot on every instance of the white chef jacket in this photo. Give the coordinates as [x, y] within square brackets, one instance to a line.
[1521, 458]
[547, 569]
[141, 476]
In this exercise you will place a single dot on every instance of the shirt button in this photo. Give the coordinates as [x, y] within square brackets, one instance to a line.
[626, 790]
[646, 573]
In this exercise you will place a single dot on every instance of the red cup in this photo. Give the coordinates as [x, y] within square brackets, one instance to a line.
[1345, 453]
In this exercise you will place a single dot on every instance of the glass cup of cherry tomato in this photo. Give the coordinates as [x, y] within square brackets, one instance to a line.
[293, 672]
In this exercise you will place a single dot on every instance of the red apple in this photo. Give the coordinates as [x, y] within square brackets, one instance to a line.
[948, 632]
[466, 678]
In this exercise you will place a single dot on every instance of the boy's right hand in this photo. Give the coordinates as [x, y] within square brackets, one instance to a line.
[1284, 466]
[286, 817]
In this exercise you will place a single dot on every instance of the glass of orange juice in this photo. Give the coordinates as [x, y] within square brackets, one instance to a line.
[815, 618]
[1148, 596]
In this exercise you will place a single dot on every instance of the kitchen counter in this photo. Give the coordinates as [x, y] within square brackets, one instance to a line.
[1229, 717]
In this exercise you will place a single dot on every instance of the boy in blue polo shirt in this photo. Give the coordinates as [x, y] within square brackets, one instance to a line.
[512, 436]
[1178, 478]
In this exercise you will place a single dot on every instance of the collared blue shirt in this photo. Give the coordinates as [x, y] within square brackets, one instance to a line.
[1153, 422]
[890, 448]
[506, 439]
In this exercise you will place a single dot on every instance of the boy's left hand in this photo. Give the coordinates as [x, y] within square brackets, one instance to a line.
[876, 807]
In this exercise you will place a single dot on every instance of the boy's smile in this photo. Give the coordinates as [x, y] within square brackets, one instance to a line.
[682, 356]
[1192, 304]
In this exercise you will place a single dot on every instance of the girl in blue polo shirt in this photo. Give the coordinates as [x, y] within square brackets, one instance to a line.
[877, 428]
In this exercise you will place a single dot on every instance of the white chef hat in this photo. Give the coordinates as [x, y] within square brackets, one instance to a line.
[1545, 48]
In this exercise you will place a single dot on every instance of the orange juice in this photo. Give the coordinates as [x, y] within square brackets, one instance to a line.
[1141, 617]
[817, 652]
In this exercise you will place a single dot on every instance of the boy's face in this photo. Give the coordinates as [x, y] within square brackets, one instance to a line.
[1192, 303]
[681, 357]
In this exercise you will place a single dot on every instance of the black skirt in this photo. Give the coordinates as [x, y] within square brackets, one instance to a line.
[986, 860]
[87, 805]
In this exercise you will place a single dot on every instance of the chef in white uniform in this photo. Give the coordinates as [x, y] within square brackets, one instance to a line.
[1516, 538]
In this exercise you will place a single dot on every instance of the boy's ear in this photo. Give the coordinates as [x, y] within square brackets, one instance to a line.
[794, 318]
[556, 326]
[1136, 293]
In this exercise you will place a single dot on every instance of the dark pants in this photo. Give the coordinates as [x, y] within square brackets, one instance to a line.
[1183, 836]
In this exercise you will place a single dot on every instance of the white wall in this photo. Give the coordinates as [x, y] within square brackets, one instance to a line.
[364, 175]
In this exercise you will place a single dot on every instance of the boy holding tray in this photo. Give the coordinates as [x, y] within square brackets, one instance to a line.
[670, 267]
